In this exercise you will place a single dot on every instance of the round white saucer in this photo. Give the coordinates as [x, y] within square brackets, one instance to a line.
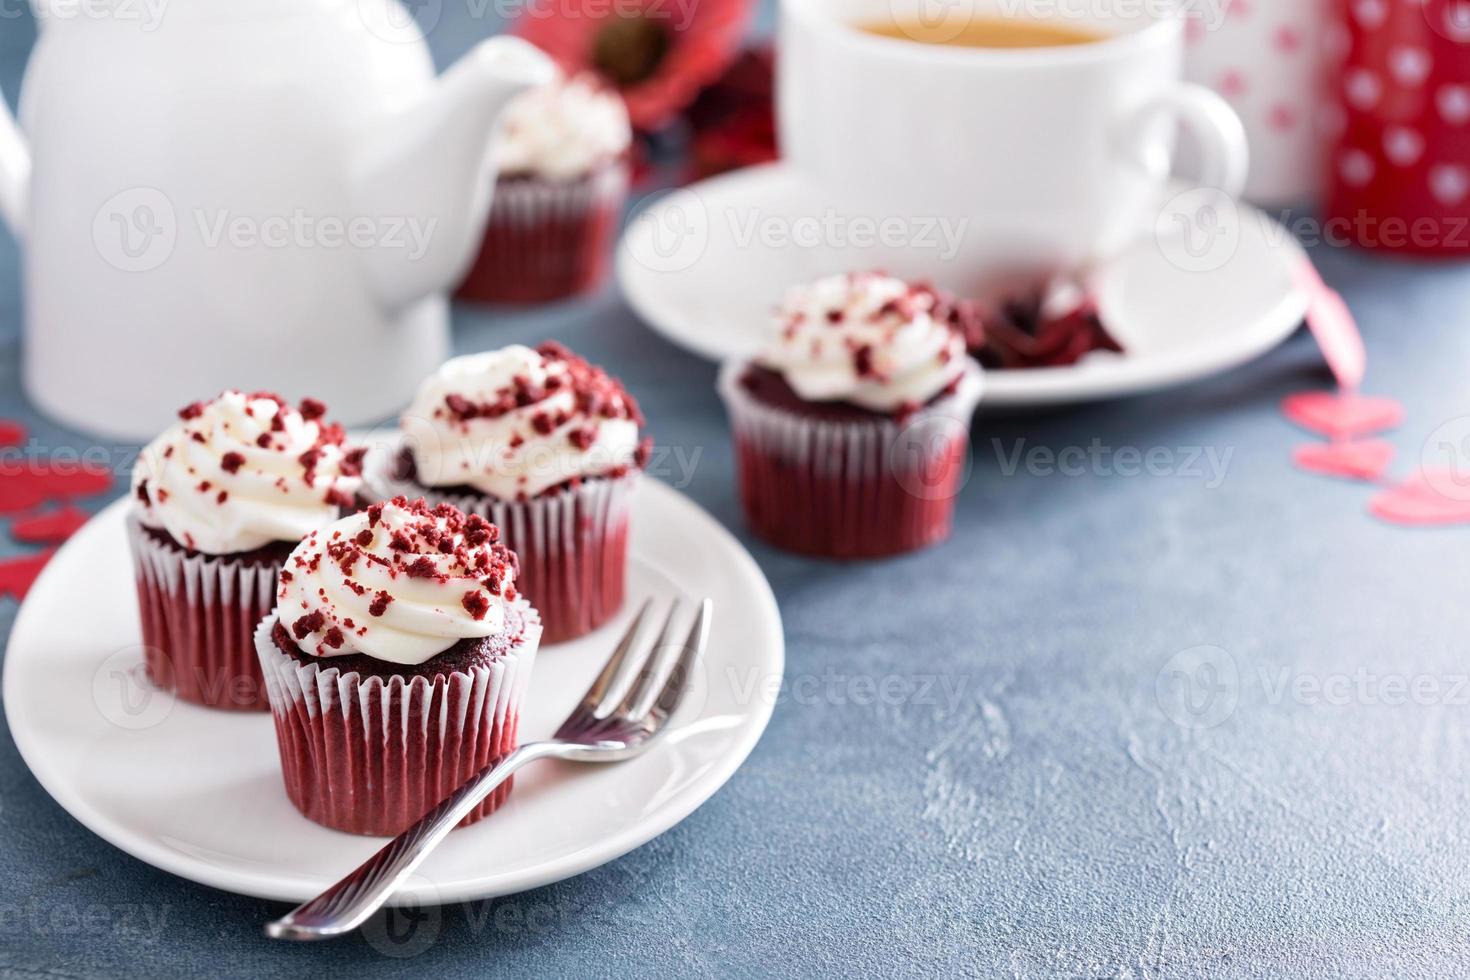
[198, 792]
[705, 265]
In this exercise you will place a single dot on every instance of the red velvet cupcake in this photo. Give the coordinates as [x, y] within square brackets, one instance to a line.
[397, 660]
[221, 499]
[547, 447]
[563, 163]
[852, 429]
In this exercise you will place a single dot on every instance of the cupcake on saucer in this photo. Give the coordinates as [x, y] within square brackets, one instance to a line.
[546, 446]
[396, 660]
[563, 178]
[220, 499]
[851, 429]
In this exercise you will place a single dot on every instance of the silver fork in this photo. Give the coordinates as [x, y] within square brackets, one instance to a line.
[599, 729]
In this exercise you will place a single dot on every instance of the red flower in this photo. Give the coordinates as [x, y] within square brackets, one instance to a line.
[745, 140]
[657, 53]
[734, 120]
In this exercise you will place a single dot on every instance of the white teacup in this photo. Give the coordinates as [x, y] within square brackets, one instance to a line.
[1053, 157]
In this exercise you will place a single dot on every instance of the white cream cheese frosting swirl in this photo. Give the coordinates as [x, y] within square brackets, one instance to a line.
[243, 471]
[515, 422]
[400, 582]
[563, 130]
[868, 339]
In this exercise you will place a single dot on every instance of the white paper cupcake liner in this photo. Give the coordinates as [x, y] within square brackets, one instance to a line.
[370, 755]
[572, 545]
[199, 614]
[548, 239]
[526, 203]
[850, 489]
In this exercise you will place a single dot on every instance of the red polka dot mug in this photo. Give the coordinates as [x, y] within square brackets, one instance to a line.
[1397, 123]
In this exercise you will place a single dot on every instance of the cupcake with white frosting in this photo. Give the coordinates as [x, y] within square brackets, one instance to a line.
[543, 444]
[220, 499]
[399, 613]
[851, 427]
[562, 159]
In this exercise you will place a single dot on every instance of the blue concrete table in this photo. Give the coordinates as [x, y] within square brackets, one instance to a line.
[981, 761]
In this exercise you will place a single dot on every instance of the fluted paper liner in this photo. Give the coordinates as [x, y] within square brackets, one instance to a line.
[370, 755]
[199, 614]
[572, 545]
[548, 239]
[850, 489]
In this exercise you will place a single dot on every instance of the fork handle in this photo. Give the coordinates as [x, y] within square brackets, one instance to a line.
[347, 904]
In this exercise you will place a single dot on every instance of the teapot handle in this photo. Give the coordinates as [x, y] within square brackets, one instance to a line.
[15, 172]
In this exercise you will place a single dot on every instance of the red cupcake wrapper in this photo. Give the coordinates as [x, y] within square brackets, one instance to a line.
[367, 755]
[199, 615]
[547, 239]
[572, 545]
[862, 489]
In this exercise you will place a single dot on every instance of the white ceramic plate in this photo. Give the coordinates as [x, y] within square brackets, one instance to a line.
[705, 265]
[198, 792]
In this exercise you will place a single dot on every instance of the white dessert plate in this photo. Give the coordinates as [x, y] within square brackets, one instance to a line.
[705, 265]
[198, 792]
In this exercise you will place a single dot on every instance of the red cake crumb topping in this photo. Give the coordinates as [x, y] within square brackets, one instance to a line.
[478, 531]
[311, 410]
[338, 498]
[475, 604]
[596, 394]
[352, 461]
[438, 544]
[308, 624]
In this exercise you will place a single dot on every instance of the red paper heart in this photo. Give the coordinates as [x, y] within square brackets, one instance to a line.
[1334, 328]
[11, 433]
[52, 527]
[1342, 416]
[1428, 498]
[32, 484]
[1354, 460]
[18, 574]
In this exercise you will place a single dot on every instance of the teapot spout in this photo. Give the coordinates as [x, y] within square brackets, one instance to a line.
[429, 165]
[15, 172]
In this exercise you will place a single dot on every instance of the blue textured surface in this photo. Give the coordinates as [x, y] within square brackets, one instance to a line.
[1018, 800]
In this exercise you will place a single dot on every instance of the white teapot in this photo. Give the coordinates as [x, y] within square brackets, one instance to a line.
[264, 195]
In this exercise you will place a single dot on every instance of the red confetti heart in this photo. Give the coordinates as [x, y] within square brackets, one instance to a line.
[1342, 416]
[18, 574]
[11, 433]
[1427, 499]
[1334, 328]
[41, 481]
[52, 527]
[1354, 460]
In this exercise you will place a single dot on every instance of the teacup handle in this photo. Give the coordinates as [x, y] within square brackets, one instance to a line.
[1224, 149]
